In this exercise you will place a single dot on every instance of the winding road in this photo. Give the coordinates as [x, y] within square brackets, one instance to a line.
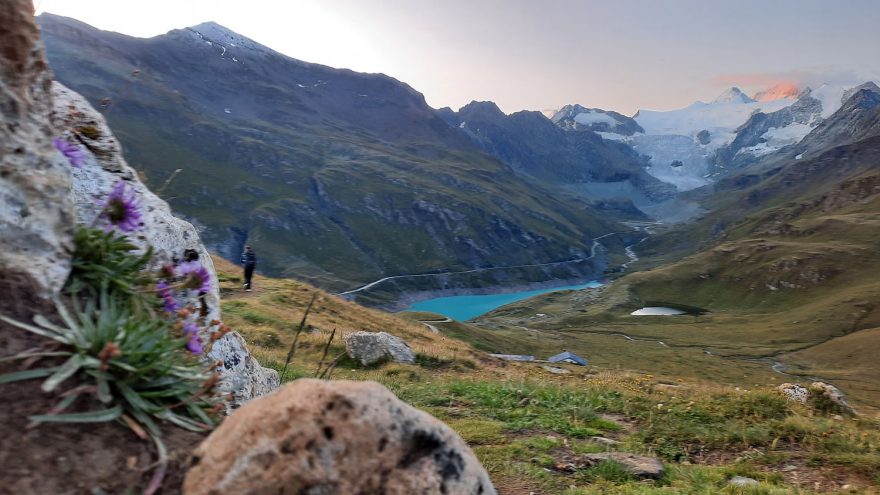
[593, 249]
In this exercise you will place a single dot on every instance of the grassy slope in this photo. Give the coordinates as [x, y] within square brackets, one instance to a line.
[524, 422]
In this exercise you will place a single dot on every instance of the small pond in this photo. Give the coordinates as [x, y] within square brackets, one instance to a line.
[658, 311]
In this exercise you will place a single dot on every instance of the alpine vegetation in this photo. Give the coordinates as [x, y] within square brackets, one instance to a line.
[128, 342]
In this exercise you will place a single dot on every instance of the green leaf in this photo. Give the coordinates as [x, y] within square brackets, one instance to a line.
[64, 372]
[136, 400]
[64, 403]
[182, 422]
[100, 416]
[37, 330]
[27, 355]
[103, 389]
[26, 375]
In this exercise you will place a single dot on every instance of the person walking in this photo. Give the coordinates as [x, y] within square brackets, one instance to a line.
[249, 261]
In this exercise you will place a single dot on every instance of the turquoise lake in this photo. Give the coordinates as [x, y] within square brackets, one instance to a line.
[463, 308]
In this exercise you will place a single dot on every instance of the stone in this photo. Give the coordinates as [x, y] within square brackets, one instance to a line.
[36, 211]
[76, 120]
[373, 347]
[742, 481]
[832, 394]
[794, 392]
[638, 465]
[555, 370]
[329, 437]
[604, 441]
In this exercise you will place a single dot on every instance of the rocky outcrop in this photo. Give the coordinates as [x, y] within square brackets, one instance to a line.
[375, 347]
[102, 166]
[794, 392]
[579, 118]
[319, 437]
[821, 395]
[36, 212]
[830, 398]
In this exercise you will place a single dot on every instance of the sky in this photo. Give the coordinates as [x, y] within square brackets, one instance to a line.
[618, 55]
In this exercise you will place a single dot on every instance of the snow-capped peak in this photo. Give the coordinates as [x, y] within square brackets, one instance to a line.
[733, 95]
[785, 90]
[212, 32]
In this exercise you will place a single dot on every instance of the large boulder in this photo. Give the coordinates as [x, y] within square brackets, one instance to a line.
[374, 347]
[327, 437]
[103, 166]
[36, 211]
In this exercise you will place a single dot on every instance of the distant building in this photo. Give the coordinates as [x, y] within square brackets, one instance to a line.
[513, 357]
[568, 357]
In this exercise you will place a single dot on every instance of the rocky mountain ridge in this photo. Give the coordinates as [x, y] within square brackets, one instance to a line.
[336, 177]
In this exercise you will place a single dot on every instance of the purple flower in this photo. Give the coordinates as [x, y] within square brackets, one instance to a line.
[167, 296]
[194, 341]
[195, 276]
[121, 209]
[194, 344]
[72, 152]
[190, 329]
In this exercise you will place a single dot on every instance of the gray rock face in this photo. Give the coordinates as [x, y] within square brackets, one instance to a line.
[806, 110]
[334, 437]
[638, 465]
[103, 166]
[36, 212]
[566, 118]
[372, 347]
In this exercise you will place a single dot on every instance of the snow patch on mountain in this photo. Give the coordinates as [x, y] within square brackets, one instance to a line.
[721, 119]
[593, 117]
[778, 137]
[733, 95]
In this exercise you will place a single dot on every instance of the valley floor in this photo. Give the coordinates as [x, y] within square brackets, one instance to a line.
[532, 428]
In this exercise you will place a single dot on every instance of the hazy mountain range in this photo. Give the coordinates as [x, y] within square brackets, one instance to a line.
[342, 178]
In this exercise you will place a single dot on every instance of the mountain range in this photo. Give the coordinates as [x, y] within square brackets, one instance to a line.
[779, 272]
[342, 178]
[334, 176]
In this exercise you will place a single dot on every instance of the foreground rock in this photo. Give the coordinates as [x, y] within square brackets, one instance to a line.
[36, 212]
[637, 465]
[102, 166]
[320, 437]
[375, 347]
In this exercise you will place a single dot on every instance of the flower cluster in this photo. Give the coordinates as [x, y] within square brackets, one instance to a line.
[190, 275]
[164, 291]
[194, 275]
[72, 152]
[120, 209]
[194, 340]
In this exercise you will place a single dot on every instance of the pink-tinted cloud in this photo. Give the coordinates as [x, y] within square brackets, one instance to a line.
[800, 78]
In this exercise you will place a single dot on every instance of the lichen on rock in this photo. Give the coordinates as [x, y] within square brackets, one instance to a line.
[315, 436]
[169, 236]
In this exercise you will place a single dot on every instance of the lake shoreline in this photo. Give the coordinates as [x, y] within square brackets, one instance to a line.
[482, 305]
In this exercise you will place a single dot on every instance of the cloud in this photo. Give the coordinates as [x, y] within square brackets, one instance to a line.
[813, 77]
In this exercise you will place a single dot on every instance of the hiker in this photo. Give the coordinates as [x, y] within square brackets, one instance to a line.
[249, 260]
